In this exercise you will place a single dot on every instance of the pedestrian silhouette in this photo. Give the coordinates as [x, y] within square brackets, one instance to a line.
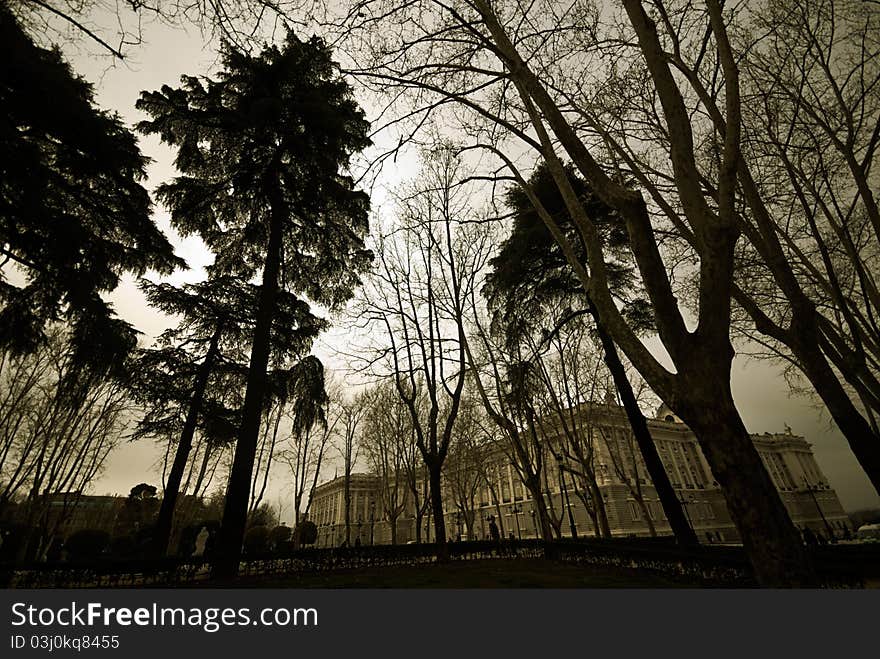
[496, 535]
[201, 541]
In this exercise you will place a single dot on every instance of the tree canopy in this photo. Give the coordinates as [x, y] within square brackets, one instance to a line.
[74, 216]
[263, 151]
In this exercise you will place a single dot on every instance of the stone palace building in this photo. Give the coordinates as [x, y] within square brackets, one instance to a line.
[630, 501]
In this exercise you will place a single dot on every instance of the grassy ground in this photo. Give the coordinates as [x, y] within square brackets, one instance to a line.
[499, 573]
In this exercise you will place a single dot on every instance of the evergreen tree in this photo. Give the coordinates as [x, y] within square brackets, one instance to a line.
[193, 378]
[262, 150]
[73, 214]
[531, 271]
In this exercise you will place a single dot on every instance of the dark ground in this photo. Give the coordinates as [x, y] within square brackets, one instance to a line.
[498, 573]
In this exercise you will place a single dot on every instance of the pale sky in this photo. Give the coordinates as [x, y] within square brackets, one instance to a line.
[761, 394]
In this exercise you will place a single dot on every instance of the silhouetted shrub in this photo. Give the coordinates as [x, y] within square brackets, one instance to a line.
[123, 546]
[87, 544]
[14, 535]
[256, 540]
[307, 532]
[279, 535]
[285, 548]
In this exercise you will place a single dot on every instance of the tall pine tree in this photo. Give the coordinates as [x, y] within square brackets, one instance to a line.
[190, 380]
[73, 214]
[262, 150]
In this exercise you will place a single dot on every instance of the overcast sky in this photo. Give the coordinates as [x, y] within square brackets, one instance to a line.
[761, 393]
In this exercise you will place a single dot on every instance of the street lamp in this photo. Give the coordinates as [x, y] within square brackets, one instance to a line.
[534, 522]
[372, 520]
[684, 505]
[458, 524]
[516, 511]
[812, 492]
[566, 500]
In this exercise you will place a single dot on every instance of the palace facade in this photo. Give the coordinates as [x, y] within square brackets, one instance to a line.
[631, 504]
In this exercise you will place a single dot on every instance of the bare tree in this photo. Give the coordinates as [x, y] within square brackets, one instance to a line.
[810, 80]
[508, 385]
[571, 386]
[118, 28]
[305, 452]
[386, 439]
[416, 299]
[60, 423]
[416, 477]
[466, 454]
[350, 414]
[517, 78]
[265, 454]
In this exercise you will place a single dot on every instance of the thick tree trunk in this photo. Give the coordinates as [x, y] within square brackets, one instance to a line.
[165, 520]
[862, 440]
[770, 539]
[683, 532]
[231, 536]
[434, 473]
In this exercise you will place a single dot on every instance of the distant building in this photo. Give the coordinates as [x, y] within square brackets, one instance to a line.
[630, 499]
[68, 513]
[328, 511]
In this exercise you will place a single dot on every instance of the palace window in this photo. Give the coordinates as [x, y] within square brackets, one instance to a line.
[634, 511]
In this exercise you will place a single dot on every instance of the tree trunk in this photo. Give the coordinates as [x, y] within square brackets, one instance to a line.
[203, 470]
[591, 511]
[862, 440]
[640, 500]
[683, 532]
[165, 520]
[770, 539]
[599, 505]
[534, 487]
[231, 536]
[434, 473]
[500, 518]
[346, 502]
